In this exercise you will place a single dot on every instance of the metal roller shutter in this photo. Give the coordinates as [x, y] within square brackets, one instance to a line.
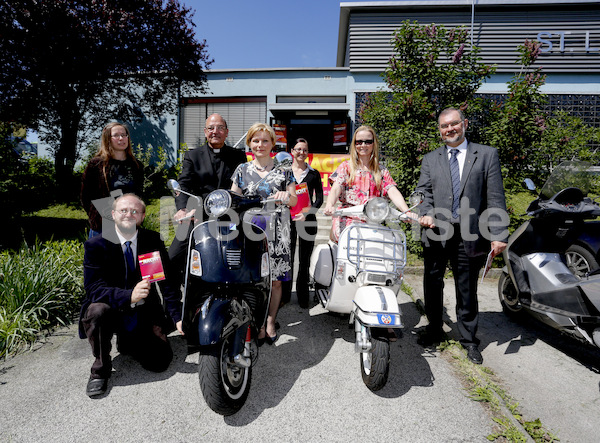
[240, 115]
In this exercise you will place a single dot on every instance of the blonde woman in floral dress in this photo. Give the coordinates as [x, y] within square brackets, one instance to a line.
[361, 178]
[281, 186]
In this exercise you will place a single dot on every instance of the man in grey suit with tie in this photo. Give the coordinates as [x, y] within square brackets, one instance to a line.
[464, 213]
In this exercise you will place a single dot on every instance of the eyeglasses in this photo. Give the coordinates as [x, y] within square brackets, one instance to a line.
[119, 136]
[364, 142]
[454, 123]
[131, 211]
[219, 128]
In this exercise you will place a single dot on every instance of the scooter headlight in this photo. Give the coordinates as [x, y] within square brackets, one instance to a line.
[377, 209]
[217, 203]
[265, 267]
[195, 264]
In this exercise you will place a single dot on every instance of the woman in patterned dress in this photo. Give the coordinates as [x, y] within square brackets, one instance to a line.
[359, 179]
[280, 186]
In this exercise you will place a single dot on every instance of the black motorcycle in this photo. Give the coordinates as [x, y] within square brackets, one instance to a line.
[537, 279]
[227, 292]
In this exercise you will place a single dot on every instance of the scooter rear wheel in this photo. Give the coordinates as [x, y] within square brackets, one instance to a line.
[224, 386]
[375, 365]
[509, 298]
[580, 261]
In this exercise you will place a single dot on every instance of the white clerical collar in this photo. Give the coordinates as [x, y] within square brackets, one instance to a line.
[216, 151]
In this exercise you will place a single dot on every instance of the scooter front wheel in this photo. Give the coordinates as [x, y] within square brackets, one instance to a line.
[509, 297]
[375, 365]
[224, 386]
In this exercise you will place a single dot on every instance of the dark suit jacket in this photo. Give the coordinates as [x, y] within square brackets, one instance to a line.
[481, 183]
[198, 175]
[104, 277]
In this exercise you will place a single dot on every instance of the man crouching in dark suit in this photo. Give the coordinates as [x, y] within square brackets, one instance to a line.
[465, 213]
[203, 170]
[119, 301]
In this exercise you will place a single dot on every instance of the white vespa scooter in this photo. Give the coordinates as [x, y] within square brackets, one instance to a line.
[361, 276]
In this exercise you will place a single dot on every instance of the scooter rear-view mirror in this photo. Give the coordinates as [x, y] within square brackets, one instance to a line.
[283, 160]
[415, 199]
[173, 185]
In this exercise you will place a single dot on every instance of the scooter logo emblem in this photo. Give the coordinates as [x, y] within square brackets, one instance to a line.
[385, 319]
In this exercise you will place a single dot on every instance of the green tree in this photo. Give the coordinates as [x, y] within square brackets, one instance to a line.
[530, 141]
[432, 68]
[69, 66]
[517, 128]
[11, 196]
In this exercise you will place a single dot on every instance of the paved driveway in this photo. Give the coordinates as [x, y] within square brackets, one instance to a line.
[307, 387]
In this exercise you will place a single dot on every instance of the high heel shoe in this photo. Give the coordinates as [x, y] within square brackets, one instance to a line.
[270, 340]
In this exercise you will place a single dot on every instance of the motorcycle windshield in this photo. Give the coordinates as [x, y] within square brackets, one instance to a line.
[573, 174]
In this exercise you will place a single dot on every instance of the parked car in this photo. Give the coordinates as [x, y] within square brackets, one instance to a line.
[583, 256]
[23, 147]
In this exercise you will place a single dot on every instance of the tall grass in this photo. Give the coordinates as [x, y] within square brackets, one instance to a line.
[40, 287]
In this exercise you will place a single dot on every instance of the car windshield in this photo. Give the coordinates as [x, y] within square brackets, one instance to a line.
[573, 174]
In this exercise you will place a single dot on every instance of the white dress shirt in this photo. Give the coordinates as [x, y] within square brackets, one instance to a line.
[461, 156]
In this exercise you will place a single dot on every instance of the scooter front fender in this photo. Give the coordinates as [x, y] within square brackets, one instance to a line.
[377, 306]
[218, 318]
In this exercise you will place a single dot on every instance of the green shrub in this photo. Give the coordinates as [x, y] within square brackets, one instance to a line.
[159, 214]
[40, 189]
[40, 287]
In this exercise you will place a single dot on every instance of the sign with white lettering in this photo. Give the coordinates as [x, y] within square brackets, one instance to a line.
[554, 41]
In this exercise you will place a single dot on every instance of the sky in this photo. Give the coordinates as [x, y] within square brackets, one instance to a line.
[245, 34]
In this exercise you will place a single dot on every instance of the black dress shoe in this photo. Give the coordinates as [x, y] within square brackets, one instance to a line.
[430, 338]
[96, 386]
[473, 354]
[302, 298]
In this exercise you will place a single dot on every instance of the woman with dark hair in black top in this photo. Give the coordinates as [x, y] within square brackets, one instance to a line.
[304, 223]
[112, 168]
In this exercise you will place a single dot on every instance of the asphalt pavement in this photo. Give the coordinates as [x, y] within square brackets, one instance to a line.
[307, 387]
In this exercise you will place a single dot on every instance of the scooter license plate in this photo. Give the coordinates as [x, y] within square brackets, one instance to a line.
[386, 319]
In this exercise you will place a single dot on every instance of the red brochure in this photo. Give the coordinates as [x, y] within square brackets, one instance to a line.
[151, 266]
[303, 200]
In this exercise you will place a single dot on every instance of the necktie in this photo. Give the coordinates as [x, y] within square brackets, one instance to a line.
[455, 174]
[129, 318]
[129, 259]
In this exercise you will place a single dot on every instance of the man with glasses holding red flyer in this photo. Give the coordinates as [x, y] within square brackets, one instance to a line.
[119, 301]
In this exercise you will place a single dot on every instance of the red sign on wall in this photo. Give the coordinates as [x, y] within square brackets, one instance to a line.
[280, 135]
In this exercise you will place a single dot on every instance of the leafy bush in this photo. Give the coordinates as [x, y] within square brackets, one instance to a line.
[40, 189]
[156, 172]
[40, 287]
[26, 184]
[432, 68]
[159, 216]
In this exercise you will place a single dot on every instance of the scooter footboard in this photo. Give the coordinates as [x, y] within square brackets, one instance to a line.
[377, 306]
